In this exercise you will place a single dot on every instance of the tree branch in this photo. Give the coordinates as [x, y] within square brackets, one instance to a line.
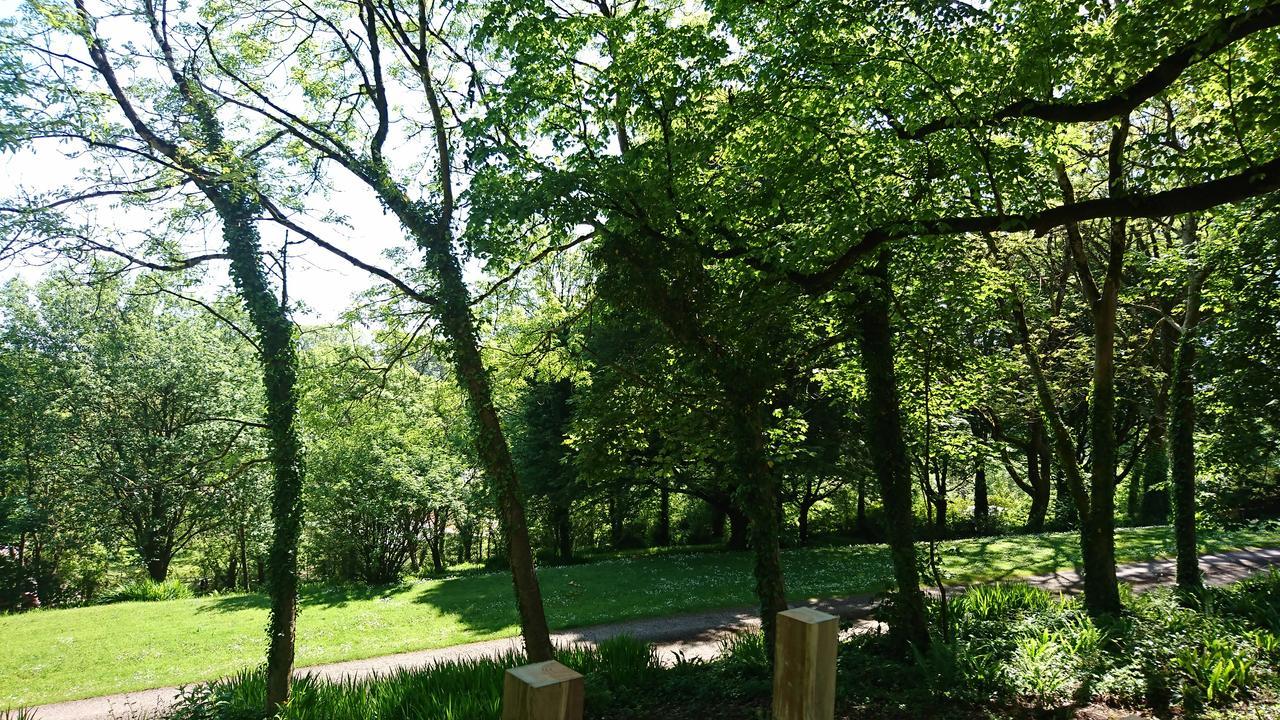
[1255, 181]
[1221, 35]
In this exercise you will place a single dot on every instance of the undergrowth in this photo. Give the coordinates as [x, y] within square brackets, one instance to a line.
[1015, 651]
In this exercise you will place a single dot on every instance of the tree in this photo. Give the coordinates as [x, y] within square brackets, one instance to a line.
[324, 130]
[167, 140]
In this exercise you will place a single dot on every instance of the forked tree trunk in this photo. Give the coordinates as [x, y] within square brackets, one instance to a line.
[1037, 478]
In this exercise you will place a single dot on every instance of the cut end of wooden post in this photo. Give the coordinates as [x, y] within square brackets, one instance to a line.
[809, 616]
[542, 691]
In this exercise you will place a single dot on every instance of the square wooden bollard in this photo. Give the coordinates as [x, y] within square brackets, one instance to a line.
[542, 691]
[804, 671]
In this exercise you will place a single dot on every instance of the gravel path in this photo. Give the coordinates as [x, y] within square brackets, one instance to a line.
[695, 635]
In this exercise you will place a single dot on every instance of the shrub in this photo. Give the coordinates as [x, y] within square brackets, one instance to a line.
[148, 590]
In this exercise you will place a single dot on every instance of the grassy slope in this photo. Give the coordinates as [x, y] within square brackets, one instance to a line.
[55, 655]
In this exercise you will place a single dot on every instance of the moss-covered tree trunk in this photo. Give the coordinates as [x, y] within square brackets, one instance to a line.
[889, 455]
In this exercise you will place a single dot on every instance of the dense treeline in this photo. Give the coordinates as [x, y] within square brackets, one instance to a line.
[752, 273]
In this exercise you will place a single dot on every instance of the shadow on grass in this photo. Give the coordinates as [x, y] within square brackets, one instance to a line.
[326, 596]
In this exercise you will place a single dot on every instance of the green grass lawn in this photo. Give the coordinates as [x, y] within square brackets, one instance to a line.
[55, 655]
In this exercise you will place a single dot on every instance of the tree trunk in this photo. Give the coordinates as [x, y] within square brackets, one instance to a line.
[1097, 528]
[802, 522]
[244, 556]
[233, 571]
[718, 518]
[1133, 498]
[860, 523]
[981, 503]
[1182, 447]
[1183, 477]
[278, 355]
[453, 309]
[940, 501]
[759, 494]
[158, 566]
[564, 533]
[889, 455]
[737, 529]
[1153, 508]
[1037, 477]
[662, 537]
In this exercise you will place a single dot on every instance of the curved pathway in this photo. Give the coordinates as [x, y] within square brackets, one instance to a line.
[695, 635]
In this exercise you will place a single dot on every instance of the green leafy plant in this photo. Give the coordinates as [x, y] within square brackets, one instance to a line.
[1219, 671]
[147, 590]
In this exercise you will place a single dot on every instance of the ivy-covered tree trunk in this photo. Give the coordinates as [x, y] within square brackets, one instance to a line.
[1097, 528]
[452, 308]
[889, 456]
[278, 355]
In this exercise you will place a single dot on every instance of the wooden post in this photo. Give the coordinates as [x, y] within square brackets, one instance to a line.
[804, 672]
[542, 691]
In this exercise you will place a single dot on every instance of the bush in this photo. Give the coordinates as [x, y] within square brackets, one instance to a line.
[148, 590]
